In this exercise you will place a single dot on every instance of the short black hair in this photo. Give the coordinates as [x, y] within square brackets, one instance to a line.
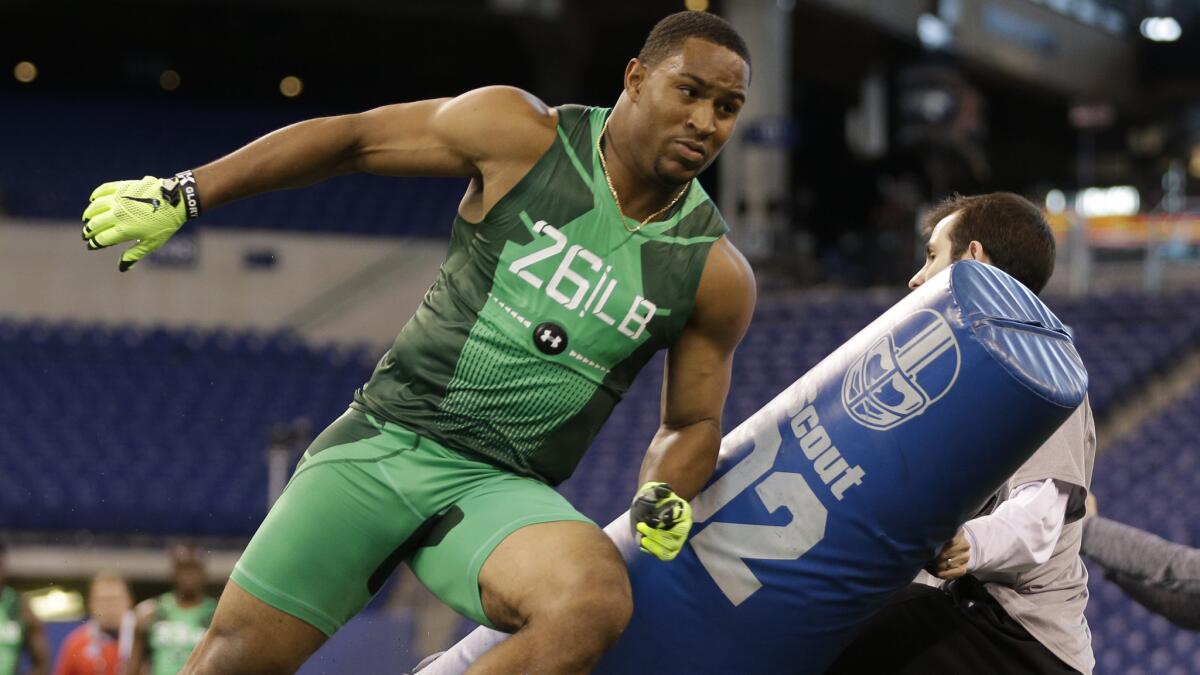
[1014, 233]
[671, 32]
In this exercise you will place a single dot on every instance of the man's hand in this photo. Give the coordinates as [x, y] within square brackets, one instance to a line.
[663, 518]
[149, 210]
[951, 562]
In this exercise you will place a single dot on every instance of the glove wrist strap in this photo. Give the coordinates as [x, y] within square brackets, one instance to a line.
[186, 183]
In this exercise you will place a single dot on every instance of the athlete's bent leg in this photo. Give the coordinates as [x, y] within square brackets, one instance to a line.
[250, 637]
[563, 590]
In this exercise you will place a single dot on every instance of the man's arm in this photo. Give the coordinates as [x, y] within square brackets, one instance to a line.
[1018, 536]
[35, 641]
[1140, 556]
[137, 649]
[699, 365]
[470, 136]
[492, 135]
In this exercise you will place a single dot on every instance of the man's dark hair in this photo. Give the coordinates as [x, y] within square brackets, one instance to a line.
[669, 34]
[1013, 232]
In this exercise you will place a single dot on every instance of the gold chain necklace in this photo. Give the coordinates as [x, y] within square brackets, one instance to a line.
[613, 190]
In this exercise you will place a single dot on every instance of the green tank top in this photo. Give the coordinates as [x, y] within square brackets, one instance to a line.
[543, 313]
[12, 631]
[175, 632]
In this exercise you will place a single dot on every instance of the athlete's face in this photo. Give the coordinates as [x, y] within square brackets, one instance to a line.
[108, 601]
[189, 579]
[686, 106]
[939, 249]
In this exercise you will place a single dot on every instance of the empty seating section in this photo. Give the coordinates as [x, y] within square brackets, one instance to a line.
[1148, 481]
[124, 138]
[152, 430]
[1124, 337]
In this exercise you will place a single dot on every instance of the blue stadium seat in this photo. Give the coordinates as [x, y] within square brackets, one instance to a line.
[129, 138]
[1148, 481]
[153, 430]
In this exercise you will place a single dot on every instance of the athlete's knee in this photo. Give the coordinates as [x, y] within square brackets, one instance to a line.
[604, 611]
[594, 600]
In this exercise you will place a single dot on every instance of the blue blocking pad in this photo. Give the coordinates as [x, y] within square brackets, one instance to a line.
[833, 496]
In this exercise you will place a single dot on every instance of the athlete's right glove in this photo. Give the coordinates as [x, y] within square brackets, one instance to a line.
[663, 518]
[149, 210]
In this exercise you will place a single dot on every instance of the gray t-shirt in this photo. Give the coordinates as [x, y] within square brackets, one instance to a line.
[1049, 599]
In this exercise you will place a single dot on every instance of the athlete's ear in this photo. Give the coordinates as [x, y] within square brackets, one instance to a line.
[635, 77]
[975, 251]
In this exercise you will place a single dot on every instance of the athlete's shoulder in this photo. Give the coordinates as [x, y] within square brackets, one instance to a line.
[575, 115]
[728, 263]
[727, 294]
[496, 122]
[509, 104]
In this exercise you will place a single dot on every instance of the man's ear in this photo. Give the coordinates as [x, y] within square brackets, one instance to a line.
[635, 77]
[975, 251]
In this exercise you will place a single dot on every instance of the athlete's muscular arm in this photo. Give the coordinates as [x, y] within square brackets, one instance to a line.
[136, 663]
[699, 365]
[35, 642]
[476, 135]
[493, 135]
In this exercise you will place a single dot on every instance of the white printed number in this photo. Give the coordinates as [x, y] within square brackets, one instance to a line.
[723, 548]
[568, 287]
[559, 241]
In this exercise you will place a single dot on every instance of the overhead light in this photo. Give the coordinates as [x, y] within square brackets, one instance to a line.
[56, 604]
[1161, 28]
[169, 80]
[1056, 201]
[696, 5]
[291, 86]
[933, 32]
[1120, 200]
[1194, 162]
[25, 72]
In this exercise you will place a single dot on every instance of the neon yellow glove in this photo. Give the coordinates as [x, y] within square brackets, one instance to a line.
[663, 518]
[149, 210]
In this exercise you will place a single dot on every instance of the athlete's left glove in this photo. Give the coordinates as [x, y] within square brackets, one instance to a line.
[663, 518]
[149, 210]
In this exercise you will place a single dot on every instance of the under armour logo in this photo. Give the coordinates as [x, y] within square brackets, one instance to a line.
[550, 338]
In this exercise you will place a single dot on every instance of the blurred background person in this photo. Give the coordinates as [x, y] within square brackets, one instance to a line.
[93, 648]
[170, 625]
[20, 630]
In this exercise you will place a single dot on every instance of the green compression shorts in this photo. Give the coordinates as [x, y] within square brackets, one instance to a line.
[369, 494]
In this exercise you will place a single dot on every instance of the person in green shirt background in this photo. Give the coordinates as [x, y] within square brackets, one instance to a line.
[170, 626]
[20, 630]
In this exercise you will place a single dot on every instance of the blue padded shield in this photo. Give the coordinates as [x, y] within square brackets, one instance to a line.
[831, 498]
